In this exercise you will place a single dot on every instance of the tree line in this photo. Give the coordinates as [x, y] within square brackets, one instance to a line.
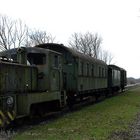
[14, 34]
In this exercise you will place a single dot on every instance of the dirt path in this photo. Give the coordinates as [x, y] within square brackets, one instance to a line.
[136, 129]
[132, 134]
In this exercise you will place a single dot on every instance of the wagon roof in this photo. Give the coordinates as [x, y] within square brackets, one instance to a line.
[59, 47]
[28, 49]
[116, 67]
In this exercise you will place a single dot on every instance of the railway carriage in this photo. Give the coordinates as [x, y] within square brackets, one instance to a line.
[82, 75]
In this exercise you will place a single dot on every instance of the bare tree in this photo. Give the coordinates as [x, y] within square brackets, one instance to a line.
[90, 44]
[12, 33]
[6, 31]
[87, 43]
[21, 34]
[39, 37]
[106, 56]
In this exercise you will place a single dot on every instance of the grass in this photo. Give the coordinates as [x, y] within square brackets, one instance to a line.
[94, 122]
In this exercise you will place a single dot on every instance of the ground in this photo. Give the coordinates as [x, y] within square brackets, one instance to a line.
[116, 118]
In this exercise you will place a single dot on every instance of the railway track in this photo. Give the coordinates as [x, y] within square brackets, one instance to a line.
[132, 86]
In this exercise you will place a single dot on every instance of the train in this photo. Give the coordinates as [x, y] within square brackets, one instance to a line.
[50, 77]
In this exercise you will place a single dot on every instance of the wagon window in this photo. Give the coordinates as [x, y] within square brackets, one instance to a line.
[87, 69]
[36, 58]
[103, 72]
[99, 71]
[118, 75]
[92, 70]
[56, 61]
[14, 57]
[82, 68]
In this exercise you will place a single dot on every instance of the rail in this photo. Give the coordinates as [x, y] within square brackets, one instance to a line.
[132, 86]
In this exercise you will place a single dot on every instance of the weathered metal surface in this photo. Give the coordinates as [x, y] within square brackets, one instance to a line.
[17, 78]
[24, 101]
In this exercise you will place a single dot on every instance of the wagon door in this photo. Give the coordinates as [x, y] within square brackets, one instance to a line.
[55, 72]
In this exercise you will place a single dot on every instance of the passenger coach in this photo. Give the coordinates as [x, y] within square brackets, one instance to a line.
[82, 75]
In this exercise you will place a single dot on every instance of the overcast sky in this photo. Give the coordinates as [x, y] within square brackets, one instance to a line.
[117, 21]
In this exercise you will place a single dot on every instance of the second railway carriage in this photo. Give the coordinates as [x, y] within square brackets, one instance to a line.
[82, 74]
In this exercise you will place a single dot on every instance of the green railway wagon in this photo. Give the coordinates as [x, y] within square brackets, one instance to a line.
[82, 74]
[114, 78]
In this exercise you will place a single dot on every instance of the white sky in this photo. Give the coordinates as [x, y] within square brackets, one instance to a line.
[117, 21]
